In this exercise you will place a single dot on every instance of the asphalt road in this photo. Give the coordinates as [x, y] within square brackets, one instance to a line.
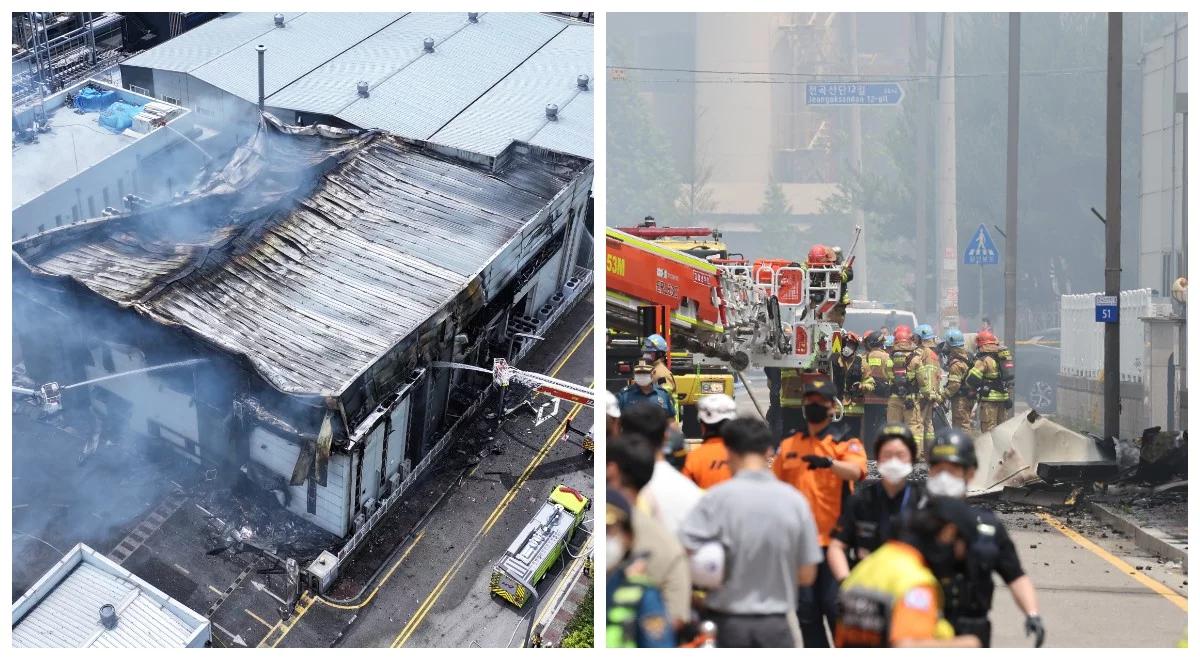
[435, 593]
[1090, 589]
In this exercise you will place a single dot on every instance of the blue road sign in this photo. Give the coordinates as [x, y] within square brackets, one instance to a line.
[1108, 310]
[980, 249]
[850, 93]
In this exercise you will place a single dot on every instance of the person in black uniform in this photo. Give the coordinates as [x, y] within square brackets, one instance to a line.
[872, 515]
[968, 592]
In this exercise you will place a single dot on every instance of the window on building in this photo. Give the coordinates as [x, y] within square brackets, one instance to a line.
[172, 101]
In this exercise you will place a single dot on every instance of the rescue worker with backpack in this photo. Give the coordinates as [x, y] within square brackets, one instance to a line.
[962, 399]
[989, 548]
[991, 376]
[852, 382]
[929, 385]
[654, 351]
[875, 393]
[902, 386]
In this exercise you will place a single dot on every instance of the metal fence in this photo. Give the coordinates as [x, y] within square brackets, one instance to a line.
[1083, 338]
[582, 283]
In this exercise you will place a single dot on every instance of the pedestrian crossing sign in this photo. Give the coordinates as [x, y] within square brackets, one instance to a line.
[980, 249]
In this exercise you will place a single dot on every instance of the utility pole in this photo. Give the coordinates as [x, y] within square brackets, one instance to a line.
[920, 197]
[1010, 204]
[856, 162]
[944, 194]
[1112, 227]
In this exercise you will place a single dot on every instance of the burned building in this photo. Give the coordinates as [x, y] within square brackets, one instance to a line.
[300, 299]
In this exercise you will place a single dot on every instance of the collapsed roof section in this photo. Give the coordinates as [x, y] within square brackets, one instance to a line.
[317, 256]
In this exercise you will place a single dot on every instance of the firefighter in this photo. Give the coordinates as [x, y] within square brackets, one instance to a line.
[900, 400]
[962, 401]
[852, 381]
[822, 256]
[929, 385]
[838, 314]
[879, 370]
[708, 464]
[892, 598]
[823, 462]
[643, 388]
[969, 588]
[654, 351]
[987, 378]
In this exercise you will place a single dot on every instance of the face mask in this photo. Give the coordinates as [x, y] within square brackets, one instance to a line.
[815, 413]
[614, 553]
[847, 351]
[894, 470]
[642, 380]
[946, 484]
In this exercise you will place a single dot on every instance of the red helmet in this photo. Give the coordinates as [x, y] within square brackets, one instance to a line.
[902, 333]
[985, 337]
[850, 338]
[819, 254]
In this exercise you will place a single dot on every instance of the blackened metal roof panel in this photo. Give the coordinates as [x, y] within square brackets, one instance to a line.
[62, 609]
[515, 108]
[333, 86]
[316, 290]
[307, 42]
[434, 89]
[205, 43]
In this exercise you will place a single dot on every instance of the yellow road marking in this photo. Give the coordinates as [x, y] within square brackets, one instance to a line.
[270, 632]
[1150, 583]
[258, 618]
[300, 612]
[216, 590]
[382, 582]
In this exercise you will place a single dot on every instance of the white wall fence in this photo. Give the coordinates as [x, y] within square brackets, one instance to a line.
[1083, 337]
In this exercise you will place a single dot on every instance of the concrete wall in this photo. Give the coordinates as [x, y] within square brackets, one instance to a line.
[1081, 406]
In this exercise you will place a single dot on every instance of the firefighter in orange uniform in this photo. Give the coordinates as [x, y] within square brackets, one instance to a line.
[823, 462]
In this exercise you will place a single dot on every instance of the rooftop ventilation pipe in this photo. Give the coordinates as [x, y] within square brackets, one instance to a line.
[473, 16]
[551, 112]
[583, 81]
[364, 88]
[262, 76]
[108, 616]
[428, 44]
[278, 20]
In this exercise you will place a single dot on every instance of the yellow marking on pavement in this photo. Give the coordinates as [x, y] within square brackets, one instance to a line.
[436, 593]
[216, 590]
[382, 582]
[301, 610]
[1152, 584]
[270, 632]
[258, 618]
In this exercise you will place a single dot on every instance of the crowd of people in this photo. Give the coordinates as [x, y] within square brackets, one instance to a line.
[758, 540]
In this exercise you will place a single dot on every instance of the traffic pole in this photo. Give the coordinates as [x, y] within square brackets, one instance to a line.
[1010, 204]
[1112, 227]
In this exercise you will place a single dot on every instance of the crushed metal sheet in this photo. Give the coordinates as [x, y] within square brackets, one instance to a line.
[1010, 453]
[315, 273]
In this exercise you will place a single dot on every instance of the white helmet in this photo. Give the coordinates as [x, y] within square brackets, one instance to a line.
[612, 408]
[708, 566]
[716, 408]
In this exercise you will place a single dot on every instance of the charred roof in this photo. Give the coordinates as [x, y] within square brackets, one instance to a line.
[313, 256]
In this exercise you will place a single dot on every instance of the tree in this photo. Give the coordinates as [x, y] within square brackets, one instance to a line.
[641, 177]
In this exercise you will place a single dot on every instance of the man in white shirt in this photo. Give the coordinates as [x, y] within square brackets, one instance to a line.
[669, 496]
